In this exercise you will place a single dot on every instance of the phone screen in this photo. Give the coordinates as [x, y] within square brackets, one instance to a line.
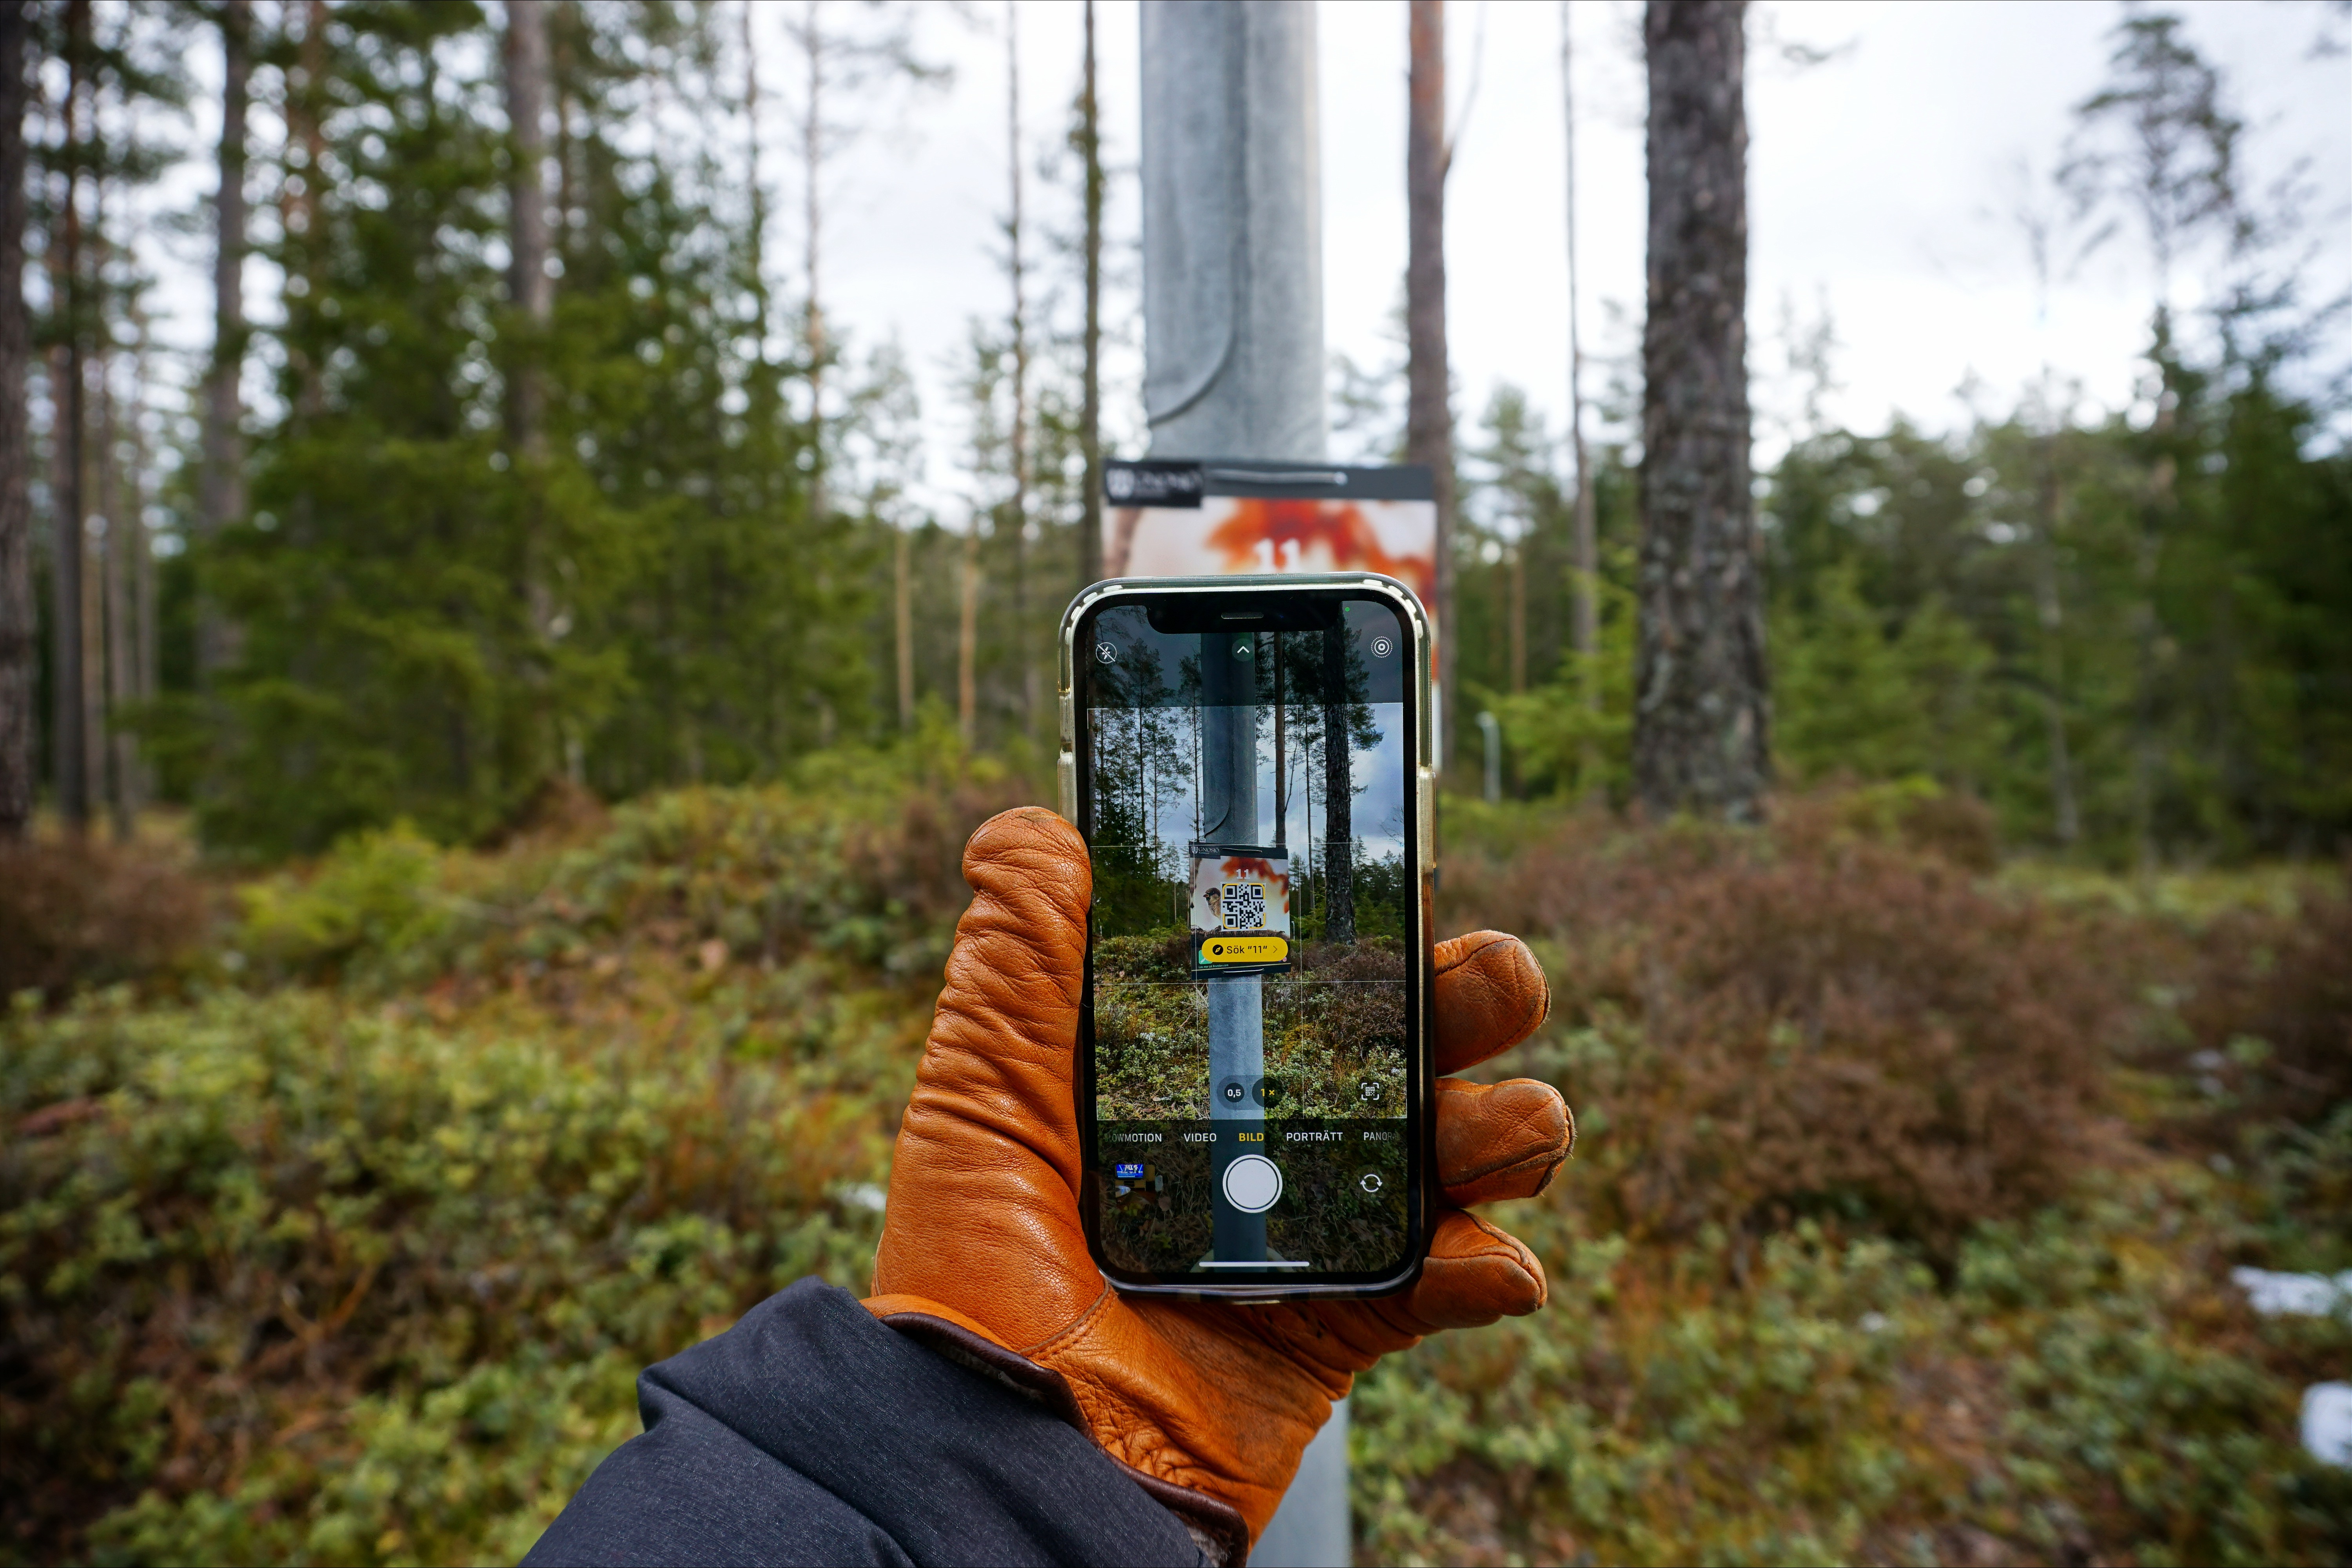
[1255, 968]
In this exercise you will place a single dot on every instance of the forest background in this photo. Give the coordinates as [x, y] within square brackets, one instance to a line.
[508, 721]
[653, 521]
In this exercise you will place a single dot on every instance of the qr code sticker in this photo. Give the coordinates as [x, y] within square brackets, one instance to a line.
[1242, 906]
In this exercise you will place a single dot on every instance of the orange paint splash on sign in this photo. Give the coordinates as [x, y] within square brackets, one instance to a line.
[1302, 529]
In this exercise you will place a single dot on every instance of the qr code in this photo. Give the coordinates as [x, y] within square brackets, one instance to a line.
[1242, 906]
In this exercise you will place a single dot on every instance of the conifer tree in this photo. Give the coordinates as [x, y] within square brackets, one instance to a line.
[1085, 140]
[17, 633]
[223, 499]
[1702, 731]
[1429, 408]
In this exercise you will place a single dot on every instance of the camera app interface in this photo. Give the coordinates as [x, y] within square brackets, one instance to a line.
[1253, 922]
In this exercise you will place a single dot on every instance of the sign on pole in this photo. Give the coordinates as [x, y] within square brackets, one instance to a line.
[1212, 519]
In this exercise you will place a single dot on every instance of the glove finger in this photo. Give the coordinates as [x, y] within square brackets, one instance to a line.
[1475, 1274]
[1500, 1140]
[1491, 994]
[985, 1179]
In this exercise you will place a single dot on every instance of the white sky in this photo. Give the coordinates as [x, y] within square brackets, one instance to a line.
[1880, 186]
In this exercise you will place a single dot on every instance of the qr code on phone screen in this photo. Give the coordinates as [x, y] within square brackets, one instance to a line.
[1242, 906]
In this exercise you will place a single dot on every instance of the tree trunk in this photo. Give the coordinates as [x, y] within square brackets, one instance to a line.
[69, 736]
[1339, 794]
[147, 645]
[2159, 509]
[903, 569]
[1516, 564]
[299, 205]
[1429, 415]
[530, 293]
[1702, 711]
[528, 288]
[968, 640]
[813, 166]
[16, 628]
[2066, 820]
[1584, 627]
[93, 589]
[223, 487]
[1020, 446]
[115, 504]
[758, 193]
[1089, 150]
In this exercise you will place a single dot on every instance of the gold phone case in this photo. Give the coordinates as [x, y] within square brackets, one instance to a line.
[1423, 783]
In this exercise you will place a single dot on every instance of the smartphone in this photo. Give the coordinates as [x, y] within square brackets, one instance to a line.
[1248, 759]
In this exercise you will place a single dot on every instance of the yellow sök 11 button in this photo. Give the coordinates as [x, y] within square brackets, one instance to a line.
[1243, 949]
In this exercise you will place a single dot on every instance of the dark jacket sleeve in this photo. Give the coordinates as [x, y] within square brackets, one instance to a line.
[810, 1432]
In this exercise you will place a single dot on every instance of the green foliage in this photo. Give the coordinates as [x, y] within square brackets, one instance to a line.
[436, 610]
[1563, 739]
[2066, 1378]
[362, 1271]
[374, 894]
[354, 1259]
[1851, 700]
[1821, 1399]
[2129, 636]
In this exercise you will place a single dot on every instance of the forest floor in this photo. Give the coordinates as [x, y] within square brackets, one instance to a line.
[340, 1205]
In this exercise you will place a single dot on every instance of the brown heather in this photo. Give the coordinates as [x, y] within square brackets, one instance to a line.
[73, 914]
[344, 1243]
[1817, 1018]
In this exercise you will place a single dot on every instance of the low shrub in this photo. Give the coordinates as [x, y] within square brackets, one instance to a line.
[872, 875]
[355, 1259]
[2270, 1008]
[90, 913]
[2087, 1388]
[348, 1247]
[1810, 1019]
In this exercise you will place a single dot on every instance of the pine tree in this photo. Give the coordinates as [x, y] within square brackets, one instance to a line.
[1429, 409]
[223, 497]
[1702, 727]
[17, 633]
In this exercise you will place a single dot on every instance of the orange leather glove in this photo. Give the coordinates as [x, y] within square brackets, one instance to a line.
[982, 1255]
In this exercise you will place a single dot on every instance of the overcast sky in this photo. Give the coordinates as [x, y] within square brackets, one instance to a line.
[1882, 184]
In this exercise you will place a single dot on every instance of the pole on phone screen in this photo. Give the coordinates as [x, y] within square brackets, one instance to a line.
[1237, 1002]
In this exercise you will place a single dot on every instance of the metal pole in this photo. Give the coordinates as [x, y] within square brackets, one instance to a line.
[1233, 231]
[1237, 1002]
[1493, 731]
[1232, 299]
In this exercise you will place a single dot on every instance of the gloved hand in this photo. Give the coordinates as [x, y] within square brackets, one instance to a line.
[983, 1256]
